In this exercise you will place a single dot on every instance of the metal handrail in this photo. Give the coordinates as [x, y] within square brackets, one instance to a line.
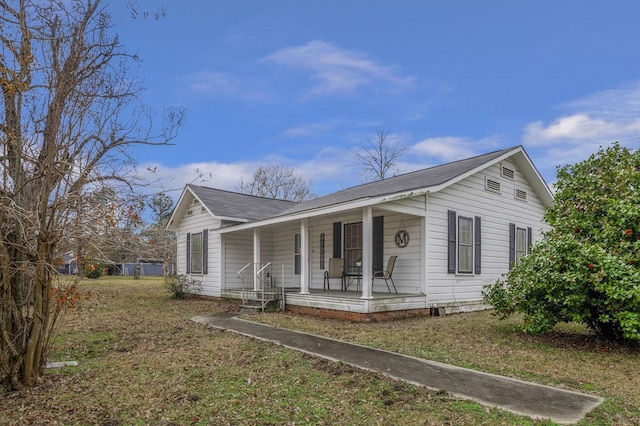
[241, 276]
[261, 279]
[242, 270]
[272, 291]
[262, 269]
[282, 306]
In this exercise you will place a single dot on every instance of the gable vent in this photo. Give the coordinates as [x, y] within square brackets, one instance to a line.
[189, 212]
[507, 172]
[521, 195]
[492, 185]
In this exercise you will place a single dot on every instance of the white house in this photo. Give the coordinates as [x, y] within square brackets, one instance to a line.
[453, 229]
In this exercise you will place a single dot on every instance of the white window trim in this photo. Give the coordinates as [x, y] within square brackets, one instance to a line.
[514, 229]
[458, 245]
[526, 248]
[191, 253]
[297, 254]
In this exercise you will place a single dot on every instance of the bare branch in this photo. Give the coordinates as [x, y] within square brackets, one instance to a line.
[379, 156]
[277, 181]
[69, 113]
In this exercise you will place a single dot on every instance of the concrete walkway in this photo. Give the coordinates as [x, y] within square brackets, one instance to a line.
[517, 396]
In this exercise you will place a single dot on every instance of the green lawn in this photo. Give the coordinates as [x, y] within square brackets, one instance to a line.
[142, 361]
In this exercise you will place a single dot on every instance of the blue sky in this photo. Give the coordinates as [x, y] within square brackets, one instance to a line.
[304, 83]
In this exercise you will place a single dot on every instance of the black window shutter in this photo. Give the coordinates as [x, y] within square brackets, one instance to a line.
[451, 248]
[378, 243]
[205, 251]
[512, 245]
[188, 252]
[529, 238]
[478, 246]
[337, 240]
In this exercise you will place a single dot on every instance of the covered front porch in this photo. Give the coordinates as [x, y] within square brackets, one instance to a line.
[300, 250]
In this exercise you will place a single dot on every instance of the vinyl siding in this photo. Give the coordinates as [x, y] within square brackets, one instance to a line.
[283, 250]
[469, 198]
[421, 266]
[197, 221]
[407, 271]
[238, 252]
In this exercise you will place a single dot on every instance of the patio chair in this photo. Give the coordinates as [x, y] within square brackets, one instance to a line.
[387, 274]
[336, 270]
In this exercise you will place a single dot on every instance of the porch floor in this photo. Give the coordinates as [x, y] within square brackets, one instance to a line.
[351, 294]
[349, 301]
[348, 294]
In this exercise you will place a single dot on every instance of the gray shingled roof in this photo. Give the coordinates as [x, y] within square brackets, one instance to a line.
[234, 205]
[420, 179]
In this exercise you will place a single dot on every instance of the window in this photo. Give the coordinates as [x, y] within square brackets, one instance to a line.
[297, 254]
[464, 253]
[519, 243]
[352, 244]
[465, 245]
[197, 252]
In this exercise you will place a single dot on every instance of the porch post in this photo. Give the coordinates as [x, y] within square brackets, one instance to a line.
[424, 255]
[256, 258]
[367, 252]
[304, 261]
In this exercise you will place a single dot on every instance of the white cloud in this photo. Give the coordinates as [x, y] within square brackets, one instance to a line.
[578, 128]
[337, 70]
[450, 148]
[213, 174]
[329, 170]
[583, 126]
[218, 84]
[305, 130]
[598, 119]
[209, 81]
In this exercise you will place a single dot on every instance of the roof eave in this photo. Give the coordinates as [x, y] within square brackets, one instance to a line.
[532, 174]
[179, 208]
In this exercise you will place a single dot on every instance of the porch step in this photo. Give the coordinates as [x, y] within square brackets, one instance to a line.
[255, 306]
[250, 309]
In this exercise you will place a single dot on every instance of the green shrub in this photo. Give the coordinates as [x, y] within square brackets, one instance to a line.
[587, 269]
[94, 271]
[181, 285]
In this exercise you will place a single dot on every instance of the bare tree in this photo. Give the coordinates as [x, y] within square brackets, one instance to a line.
[277, 181]
[68, 117]
[379, 156]
[102, 226]
[108, 228]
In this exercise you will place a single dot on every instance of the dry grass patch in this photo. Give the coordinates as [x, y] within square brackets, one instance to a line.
[570, 357]
[142, 361]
